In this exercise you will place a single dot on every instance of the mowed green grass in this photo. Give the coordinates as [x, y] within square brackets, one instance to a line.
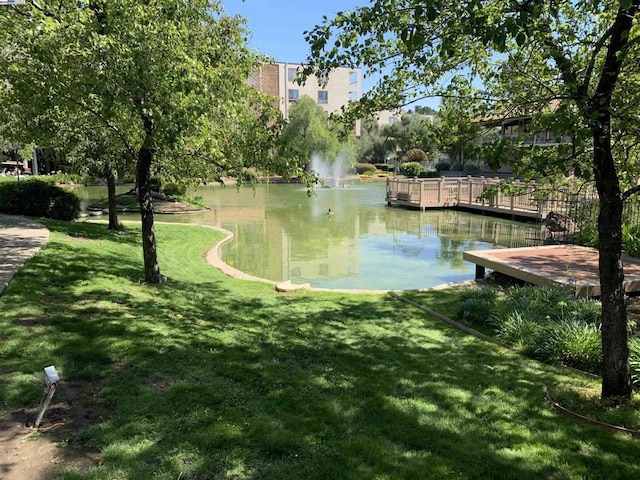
[207, 377]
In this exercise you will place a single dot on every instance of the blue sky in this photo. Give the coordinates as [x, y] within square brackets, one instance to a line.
[277, 26]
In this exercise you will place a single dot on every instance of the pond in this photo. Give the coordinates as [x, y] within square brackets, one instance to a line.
[283, 234]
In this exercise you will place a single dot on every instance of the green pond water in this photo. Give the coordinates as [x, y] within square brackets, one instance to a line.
[282, 234]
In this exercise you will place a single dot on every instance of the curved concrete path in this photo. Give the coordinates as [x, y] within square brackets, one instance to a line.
[20, 239]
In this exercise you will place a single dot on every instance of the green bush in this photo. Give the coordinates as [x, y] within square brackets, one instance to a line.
[542, 322]
[477, 305]
[540, 303]
[384, 167]
[36, 198]
[573, 343]
[442, 166]
[631, 239]
[519, 329]
[365, 168]
[66, 179]
[410, 169]
[174, 189]
[586, 310]
[155, 184]
[415, 155]
[634, 360]
[587, 236]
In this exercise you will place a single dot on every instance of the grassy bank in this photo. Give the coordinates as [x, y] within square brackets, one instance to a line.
[207, 377]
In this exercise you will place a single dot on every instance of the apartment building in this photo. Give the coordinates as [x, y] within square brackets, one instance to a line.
[343, 85]
[388, 117]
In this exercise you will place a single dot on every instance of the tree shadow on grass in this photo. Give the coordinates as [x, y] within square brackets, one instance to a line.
[294, 398]
[225, 379]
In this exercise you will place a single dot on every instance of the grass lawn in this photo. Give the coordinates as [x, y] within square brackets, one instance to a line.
[207, 377]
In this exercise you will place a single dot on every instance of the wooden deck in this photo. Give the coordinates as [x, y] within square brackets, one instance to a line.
[568, 266]
[465, 192]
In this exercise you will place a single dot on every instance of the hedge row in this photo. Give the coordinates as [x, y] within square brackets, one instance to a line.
[36, 198]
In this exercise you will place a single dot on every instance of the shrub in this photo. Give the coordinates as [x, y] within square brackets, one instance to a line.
[586, 310]
[542, 322]
[520, 330]
[36, 198]
[155, 184]
[542, 303]
[415, 155]
[410, 169]
[573, 343]
[587, 236]
[631, 240]
[471, 168]
[442, 166]
[383, 167]
[477, 305]
[365, 168]
[634, 360]
[174, 189]
[66, 179]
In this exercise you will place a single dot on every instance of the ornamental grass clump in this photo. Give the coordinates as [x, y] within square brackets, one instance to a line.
[540, 302]
[519, 329]
[574, 343]
[546, 324]
[477, 306]
[634, 360]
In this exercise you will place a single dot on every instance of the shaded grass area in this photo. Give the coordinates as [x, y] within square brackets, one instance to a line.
[207, 377]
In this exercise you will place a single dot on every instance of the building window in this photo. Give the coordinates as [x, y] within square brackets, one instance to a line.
[353, 78]
[392, 120]
[291, 74]
[323, 97]
[294, 94]
[353, 97]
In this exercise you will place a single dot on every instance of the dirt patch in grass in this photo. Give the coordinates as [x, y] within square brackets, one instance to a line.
[27, 453]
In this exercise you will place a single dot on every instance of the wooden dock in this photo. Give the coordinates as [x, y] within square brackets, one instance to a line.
[465, 193]
[568, 266]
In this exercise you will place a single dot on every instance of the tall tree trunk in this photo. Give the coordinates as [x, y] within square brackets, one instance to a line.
[143, 177]
[111, 193]
[616, 382]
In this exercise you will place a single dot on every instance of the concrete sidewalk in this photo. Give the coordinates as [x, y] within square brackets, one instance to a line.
[20, 239]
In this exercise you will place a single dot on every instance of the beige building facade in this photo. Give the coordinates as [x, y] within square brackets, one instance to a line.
[343, 85]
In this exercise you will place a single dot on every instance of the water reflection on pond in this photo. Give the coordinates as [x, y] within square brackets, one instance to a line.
[282, 234]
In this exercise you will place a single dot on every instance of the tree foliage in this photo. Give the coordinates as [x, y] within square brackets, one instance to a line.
[412, 131]
[308, 132]
[528, 53]
[458, 130]
[167, 79]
